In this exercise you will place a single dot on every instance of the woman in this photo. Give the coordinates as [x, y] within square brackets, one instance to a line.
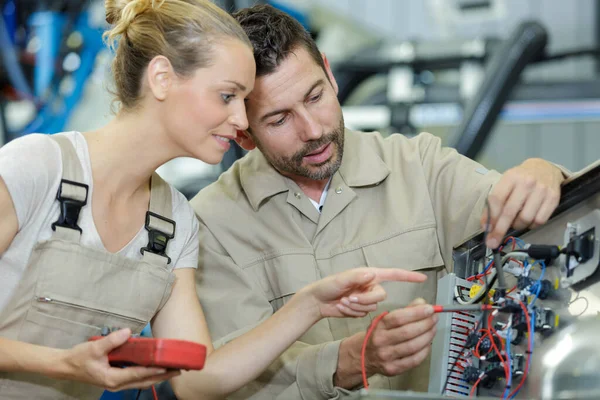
[91, 237]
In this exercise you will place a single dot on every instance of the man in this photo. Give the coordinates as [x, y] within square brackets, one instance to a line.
[316, 198]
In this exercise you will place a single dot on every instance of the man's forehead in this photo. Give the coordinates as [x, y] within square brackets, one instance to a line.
[288, 83]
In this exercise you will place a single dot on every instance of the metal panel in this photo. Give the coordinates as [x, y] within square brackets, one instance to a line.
[448, 343]
[558, 144]
[510, 145]
[590, 151]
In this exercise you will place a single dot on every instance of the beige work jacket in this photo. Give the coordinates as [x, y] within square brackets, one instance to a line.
[395, 202]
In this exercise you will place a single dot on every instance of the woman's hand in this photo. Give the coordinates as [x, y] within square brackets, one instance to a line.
[355, 292]
[88, 363]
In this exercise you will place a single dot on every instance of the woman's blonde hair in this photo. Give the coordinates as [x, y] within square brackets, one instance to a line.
[181, 30]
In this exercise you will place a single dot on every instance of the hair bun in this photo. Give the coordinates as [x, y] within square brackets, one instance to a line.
[114, 8]
[123, 12]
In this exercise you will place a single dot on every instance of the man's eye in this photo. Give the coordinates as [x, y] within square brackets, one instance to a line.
[279, 122]
[316, 97]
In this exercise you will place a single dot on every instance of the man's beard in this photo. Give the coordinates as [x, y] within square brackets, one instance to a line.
[293, 165]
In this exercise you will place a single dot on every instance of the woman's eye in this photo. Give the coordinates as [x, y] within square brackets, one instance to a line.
[227, 97]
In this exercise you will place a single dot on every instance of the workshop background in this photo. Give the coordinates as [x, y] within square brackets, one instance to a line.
[499, 80]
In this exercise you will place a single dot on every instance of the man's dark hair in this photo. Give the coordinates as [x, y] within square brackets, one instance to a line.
[274, 35]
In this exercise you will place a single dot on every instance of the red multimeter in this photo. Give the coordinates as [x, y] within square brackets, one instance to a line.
[161, 353]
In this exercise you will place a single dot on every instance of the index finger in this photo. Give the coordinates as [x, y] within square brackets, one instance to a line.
[397, 274]
[497, 198]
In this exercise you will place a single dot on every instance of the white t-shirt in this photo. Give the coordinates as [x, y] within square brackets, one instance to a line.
[31, 167]
[319, 205]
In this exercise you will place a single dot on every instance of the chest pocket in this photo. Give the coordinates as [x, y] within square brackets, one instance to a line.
[414, 250]
[81, 290]
[70, 292]
[281, 276]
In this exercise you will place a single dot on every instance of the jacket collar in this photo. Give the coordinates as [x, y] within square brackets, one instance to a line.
[361, 166]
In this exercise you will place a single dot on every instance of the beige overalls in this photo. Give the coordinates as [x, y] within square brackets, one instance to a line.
[70, 292]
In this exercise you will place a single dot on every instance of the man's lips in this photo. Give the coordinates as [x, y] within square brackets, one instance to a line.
[317, 151]
[320, 155]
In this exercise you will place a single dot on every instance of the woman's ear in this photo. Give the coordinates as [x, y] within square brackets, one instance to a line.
[244, 139]
[160, 76]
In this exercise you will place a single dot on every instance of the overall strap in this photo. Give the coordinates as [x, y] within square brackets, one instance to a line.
[159, 222]
[72, 192]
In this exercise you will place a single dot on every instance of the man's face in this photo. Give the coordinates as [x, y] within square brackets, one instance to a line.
[296, 120]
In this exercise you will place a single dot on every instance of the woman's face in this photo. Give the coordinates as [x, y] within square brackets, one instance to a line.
[203, 113]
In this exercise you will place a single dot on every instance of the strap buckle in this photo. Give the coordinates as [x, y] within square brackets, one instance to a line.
[158, 239]
[69, 207]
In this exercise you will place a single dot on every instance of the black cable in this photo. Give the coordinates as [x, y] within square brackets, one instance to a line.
[485, 235]
[499, 273]
[569, 54]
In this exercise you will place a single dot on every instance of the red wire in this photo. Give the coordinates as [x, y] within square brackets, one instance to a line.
[154, 393]
[514, 243]
[364, 348]
[475, 386]
[515, 260]
[489, 271]
[486, 332]
[528, 320]
[494, 332]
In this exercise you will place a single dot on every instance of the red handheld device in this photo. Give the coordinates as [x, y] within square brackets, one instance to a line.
[161, 353]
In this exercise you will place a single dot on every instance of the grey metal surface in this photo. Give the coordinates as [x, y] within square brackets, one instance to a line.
[444, 342]
[567, 366]
[392, 395]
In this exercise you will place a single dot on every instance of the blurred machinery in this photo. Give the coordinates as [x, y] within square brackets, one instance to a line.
[462, 83]
[49, 50]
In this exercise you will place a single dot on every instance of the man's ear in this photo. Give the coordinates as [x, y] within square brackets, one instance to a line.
[244, 139]
[329, 73]
[160, 74]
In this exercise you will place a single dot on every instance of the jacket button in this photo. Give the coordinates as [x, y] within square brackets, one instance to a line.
[297, 195]
[338, 190]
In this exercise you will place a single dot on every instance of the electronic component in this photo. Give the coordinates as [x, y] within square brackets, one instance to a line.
[582, 252]
[514, 268]
[471, 374]
[518, 364]
[546, 287]
[545, 320]
[485, 348]
[493, 371]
